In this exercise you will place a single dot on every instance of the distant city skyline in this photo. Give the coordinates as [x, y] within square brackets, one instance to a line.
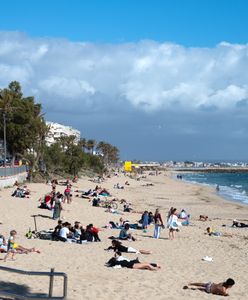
[161, 80]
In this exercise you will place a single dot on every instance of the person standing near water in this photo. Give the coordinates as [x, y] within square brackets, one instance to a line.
[158, 224]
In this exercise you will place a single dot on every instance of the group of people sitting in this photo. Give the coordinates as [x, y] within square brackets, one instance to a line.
[21, 192]
[65, 232]
[97, 191]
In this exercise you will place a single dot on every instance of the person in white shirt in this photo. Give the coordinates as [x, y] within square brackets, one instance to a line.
[173, 224]
[64, 231]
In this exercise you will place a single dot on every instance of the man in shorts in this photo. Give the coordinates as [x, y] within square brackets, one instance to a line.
[213, 288]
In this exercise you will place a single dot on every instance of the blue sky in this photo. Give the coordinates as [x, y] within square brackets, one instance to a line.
[187, 22]
[159, 79]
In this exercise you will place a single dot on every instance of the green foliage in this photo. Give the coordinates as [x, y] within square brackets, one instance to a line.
[26, 131]
[25, 126]
[108, 152]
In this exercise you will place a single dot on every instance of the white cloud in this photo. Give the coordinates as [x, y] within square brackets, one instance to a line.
[147, 75]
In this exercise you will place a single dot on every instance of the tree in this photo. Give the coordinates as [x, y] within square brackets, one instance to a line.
[83, 143]
[109, 153]
[25, 126]
[91, 145]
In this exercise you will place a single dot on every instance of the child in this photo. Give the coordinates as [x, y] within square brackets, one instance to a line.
[11, 245]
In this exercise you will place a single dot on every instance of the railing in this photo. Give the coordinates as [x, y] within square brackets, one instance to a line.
[11, 171]
[51, 274]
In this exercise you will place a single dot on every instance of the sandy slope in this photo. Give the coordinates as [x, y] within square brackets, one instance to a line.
[180, 259]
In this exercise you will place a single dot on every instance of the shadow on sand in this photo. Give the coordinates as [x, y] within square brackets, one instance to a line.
[18, 289]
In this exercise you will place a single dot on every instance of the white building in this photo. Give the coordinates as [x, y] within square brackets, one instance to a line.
[58, 130]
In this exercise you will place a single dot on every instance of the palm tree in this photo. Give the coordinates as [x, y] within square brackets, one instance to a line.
[83, 143]
[91, 145]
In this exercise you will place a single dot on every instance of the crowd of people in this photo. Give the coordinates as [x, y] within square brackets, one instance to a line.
[66, 232]
[77, 233]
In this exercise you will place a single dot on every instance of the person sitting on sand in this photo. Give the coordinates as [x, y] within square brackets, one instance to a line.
[119, 260]
[94, 231]
[76, 231]
[213, 288]
[125, 234]
[118, 186]
[64, 232]
[184, 216]
[3, 244]
[96, 202]
[117, 246]
[203, 218]
[211, 232]
[55, 234]
[127, 208]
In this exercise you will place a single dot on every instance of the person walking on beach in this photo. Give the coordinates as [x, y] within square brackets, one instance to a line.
[213, 288]
[158, 224]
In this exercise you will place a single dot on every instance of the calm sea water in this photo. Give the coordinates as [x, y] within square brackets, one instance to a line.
[233, 186]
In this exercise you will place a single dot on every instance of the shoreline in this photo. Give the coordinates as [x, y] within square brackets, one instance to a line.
[227, 197]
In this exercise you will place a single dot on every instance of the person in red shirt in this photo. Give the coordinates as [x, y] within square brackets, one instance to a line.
[94, 231]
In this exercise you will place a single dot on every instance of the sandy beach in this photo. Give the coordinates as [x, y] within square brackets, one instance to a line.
[181, 260]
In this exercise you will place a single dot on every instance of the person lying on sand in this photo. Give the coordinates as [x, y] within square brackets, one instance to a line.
[203, 218]
[117, 246]
[239, 224]
[213, 288]
[210, 232]
[119, 260]
[13, 247]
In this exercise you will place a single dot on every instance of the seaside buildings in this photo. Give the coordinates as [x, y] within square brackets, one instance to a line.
[57, 131]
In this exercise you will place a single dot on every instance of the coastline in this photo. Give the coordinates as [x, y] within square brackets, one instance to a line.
[228, 193]
[181, 259]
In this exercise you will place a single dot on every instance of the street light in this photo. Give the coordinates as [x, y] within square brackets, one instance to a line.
[4, 142]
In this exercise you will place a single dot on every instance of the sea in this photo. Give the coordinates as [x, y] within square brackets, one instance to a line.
[232, 186]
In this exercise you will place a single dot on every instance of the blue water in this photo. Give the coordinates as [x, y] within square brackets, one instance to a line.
[233, 186]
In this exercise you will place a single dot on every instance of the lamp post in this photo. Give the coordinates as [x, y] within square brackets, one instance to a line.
[4, 142]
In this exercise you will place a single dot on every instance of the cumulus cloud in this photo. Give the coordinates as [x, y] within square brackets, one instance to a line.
[147, 75]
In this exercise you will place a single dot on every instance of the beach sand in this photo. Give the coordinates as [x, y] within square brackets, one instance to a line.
[181, 259]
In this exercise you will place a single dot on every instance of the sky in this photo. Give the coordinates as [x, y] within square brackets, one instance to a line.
[160, 79]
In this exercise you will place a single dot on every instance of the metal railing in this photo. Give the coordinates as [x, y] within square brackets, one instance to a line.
[51, 274]
[11, 171]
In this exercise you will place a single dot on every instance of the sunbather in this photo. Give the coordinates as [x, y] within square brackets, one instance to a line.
[119, 260]
[213, 288]
[239, 224]
[117, 246]
[211, 232]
